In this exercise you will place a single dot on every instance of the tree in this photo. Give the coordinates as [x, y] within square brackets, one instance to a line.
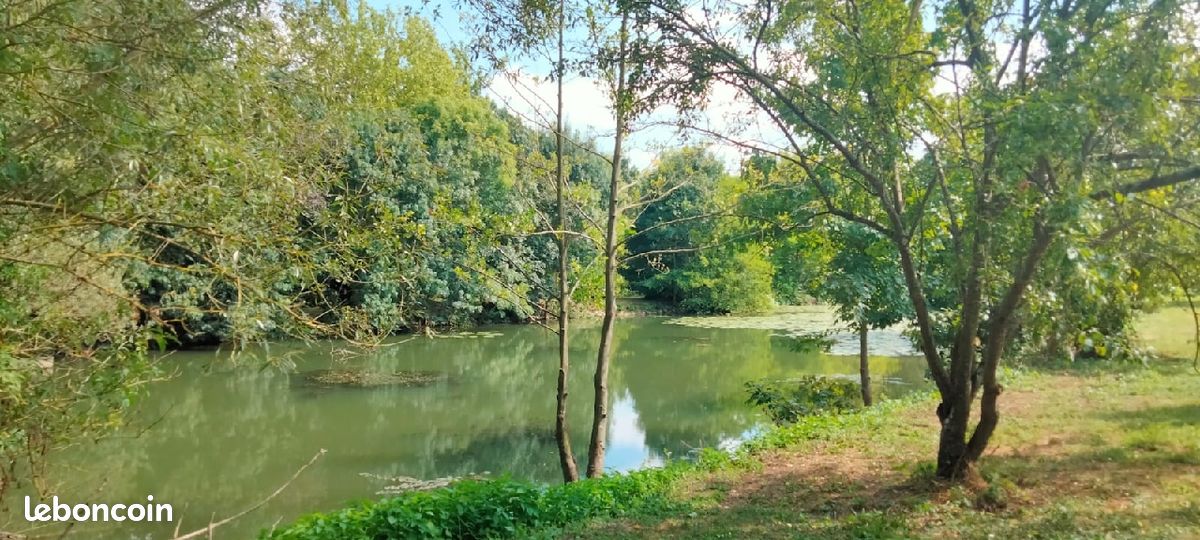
[865, 285]
[561, 432]
[133, 143]
[524, 27]
[1055, 111]
[690, 245]
[689, 178]
[182, 171]
[622, 108]
[630, 86]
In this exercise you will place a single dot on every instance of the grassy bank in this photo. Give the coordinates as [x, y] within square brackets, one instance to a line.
[1084, 453]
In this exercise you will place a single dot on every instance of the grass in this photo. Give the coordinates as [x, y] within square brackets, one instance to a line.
[1081, 453]
[1170, 330]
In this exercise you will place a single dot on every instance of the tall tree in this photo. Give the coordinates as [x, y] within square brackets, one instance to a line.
[525, 27]
[621, 110]
[1031, 115]
[561, 429]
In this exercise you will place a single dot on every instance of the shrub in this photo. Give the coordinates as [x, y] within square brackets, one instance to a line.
[504, 507]
[736, 283]
[489, 508]
[809, 395]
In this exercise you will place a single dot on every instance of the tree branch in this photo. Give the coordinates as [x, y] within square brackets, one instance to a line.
[207, 531]
[1154, 182]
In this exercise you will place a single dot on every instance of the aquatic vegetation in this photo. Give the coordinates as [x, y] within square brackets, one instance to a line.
[794, 319]
[370, 379]
[802, 322]
[483, 334]
[404, 484]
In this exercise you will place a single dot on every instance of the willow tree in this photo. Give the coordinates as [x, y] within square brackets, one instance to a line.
[127, 131]
[164, 164]
[989, 130]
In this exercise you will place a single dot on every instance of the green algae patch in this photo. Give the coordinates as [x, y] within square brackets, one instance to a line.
[355, 378]
[792, 319]
[483, 334]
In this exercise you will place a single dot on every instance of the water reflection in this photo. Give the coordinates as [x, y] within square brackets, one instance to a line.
[227, 437]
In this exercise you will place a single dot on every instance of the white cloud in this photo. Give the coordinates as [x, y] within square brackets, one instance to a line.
[533, 98]
[589, 111]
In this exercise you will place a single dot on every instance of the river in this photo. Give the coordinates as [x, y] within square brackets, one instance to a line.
[216, 438]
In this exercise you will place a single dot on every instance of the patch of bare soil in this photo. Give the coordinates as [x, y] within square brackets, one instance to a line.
[828, 481]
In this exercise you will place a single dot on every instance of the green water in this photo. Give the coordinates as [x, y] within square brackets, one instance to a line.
[216, 439]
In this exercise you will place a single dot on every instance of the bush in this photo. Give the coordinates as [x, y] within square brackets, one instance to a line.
[806, 396]
[737, 283]
[506, 508]
[489, 508]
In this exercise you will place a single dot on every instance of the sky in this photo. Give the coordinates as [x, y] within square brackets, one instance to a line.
[525, 90]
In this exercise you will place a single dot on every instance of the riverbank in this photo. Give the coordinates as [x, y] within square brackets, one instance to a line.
[1090, 451]
[1079, 453]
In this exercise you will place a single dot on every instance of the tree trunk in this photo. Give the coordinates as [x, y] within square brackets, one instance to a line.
[864, 369]
[562, 435]
[595, 465]
[955, 415]
[957, 454]
[1002, 321]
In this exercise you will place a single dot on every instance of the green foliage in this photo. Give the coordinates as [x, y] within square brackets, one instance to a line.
[832, 426]
[673, 224]
[213, 172]
[1086, 300]
[722, 282]
[501, 508]
[156, 154]
[684, 247]
[863, 279]
[809, 342]
[423, 198]
[787, 402]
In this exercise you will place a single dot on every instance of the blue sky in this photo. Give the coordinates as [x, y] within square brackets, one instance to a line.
[525, 90]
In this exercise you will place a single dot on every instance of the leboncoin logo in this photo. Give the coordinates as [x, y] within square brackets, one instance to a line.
[85, 512]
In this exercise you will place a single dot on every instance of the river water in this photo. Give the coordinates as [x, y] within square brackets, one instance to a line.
[217, 438]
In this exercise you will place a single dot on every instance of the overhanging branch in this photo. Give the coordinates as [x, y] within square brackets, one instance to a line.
[1154, 182]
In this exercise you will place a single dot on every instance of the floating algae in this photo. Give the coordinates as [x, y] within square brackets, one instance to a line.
[803, 323]
[372, 379]
[403, 484]
[468, 335]
[793, 319]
